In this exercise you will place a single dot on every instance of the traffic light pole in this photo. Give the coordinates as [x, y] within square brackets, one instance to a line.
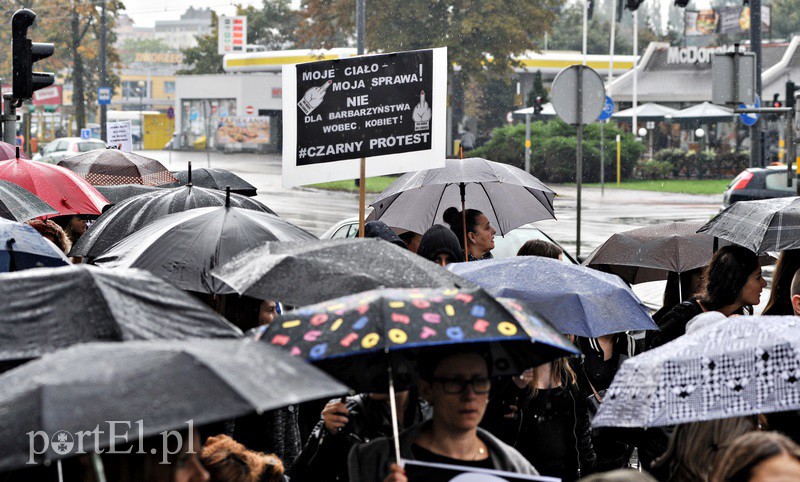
[9, 119]
[791, 150]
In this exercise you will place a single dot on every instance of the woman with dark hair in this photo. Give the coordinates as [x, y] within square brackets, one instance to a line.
[690, 285]
[456, 383]
[441, 246]
[759, 457]
[480, 233]
[538, 247]
[144, 460]
[555, 431]
[780, 299]
[731, 282]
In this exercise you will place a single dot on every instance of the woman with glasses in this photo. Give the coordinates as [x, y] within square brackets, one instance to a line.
[456, 384]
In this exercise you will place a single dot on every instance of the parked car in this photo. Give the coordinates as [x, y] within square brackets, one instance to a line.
[759, 183]
[65, 147]
[504, 246]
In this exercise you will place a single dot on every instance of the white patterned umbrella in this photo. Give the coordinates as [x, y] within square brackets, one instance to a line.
[738, 366]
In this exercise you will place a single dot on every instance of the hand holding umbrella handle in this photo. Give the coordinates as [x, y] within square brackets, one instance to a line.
[335, 415]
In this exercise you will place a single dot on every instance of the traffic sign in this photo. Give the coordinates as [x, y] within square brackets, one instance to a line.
[750, 119]
[578, 101]
[608, 109]
[86, 134]
[170, 113]
[104, 95]
[249, 110]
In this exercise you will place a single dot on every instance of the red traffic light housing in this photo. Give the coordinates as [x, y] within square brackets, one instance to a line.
[776, 102]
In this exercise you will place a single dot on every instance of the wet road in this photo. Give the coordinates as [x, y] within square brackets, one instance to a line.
[603, 215]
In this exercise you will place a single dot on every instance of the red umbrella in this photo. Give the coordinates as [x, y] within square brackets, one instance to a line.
[9, 151]
[59, 187]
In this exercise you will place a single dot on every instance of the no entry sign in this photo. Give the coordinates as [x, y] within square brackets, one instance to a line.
[389, 108]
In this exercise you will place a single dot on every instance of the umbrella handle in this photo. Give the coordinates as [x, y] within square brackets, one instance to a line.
[189, 175]
[462, 189]
[393, 406]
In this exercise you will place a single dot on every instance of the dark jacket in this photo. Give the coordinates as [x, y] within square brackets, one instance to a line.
[440, 240]
[555, 433]
[673, 324]
[324, 456]
[370, 462]
[379, 229]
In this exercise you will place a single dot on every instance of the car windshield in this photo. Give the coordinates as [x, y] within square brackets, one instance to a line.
[91, 146]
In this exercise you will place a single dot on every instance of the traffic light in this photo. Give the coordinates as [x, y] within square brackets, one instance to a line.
[590, 9]
[775, 101]
[25, 53]
[791, 88]
[537, 106]
[681, 3]
[632, 5]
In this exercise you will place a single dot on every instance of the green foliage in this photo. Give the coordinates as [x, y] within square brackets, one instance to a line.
[785, 18]
[272, 25]
[203, 58]
[655, 169]
[553, 150]
[130, 47]
[704, 164]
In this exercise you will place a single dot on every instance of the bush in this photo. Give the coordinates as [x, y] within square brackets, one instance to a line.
[553, 150]
[655, 169]
[705, 164]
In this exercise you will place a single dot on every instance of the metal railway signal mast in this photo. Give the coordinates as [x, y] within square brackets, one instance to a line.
[24, 80]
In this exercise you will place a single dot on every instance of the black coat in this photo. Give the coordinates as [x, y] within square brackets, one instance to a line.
[673, 324]
[324, 456]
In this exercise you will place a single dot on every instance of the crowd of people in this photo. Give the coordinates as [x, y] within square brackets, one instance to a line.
[454, 411]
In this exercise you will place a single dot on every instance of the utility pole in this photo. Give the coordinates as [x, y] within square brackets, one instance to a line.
[756, 148]
[103, 73]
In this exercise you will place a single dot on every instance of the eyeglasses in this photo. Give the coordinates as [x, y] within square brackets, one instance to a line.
[455, 386]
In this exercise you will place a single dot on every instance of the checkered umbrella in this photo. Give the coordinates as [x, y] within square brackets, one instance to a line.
[738, 366]
[107, 167]
[760, 226]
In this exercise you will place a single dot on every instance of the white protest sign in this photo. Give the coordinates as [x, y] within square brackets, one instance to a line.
[119, 135]
[388, 108]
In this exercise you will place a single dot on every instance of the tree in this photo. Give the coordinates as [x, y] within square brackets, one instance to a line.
[273, 25]
[130, 47]
[74, 29]
[785, 18]
[481, 35]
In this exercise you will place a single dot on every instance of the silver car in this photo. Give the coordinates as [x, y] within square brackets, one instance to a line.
[504, 246]
[65, 147]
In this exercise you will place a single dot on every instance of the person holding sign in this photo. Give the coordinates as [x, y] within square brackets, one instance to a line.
[456, 383]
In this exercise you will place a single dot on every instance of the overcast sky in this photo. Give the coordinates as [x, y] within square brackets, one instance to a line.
[146, 12]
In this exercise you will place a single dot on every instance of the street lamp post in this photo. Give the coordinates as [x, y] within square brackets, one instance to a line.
[141, 85]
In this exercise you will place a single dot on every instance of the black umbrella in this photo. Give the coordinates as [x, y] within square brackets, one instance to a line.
[185, 247]
[120, 192]
[105, 167]
[760, 226]
[215, 179]
[19, 204]
[163, 384]
[304, 273]
[134, 213]
[50, 308]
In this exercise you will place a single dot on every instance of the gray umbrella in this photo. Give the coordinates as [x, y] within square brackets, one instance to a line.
[728, 367]
[760, 226]
[120, 192]
[304, 273]
[185, 247]
[508, 196]
[50, 308]
[650, 253]
[19, 204]
[163, 384]
[133, 214]
[104, 167]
